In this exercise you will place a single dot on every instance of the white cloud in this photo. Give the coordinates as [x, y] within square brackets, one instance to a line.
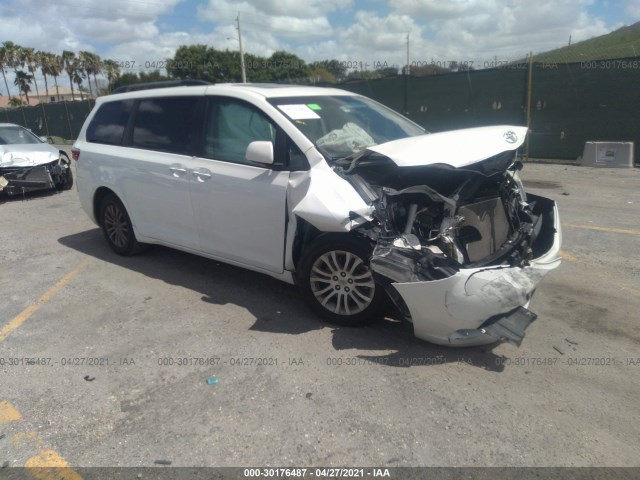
[480, 31]
[283, 18]
[460, 30]
[632, 8]
[437, 9]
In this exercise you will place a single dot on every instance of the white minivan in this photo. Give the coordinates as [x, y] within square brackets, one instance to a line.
[354, 203]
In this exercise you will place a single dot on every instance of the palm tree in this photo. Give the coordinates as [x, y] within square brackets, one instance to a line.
[97, 70]
[86, 63]
[4, 63]
[79, 75]
[45, 60]
[11, 52]
[56, 65]
[23, 82]
[68, 59]
[91, 65]
[112, 69]
[31, 61]
[16, 56]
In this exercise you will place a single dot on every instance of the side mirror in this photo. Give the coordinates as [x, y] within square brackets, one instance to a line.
[260, 152]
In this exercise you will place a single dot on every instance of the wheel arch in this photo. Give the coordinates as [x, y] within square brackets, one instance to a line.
[97, 201]
[306, 235]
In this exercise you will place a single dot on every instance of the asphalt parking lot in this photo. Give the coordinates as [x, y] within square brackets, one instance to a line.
[104, 360]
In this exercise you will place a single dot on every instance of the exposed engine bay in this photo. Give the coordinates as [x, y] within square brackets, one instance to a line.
[432, 221]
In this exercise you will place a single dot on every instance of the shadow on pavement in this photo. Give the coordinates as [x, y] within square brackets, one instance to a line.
[278, 308]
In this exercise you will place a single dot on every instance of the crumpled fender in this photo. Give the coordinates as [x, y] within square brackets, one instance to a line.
[325, 200]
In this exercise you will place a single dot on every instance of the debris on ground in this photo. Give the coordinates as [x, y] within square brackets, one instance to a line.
[212, 380]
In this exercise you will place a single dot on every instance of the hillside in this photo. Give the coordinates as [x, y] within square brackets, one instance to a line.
[624, 42]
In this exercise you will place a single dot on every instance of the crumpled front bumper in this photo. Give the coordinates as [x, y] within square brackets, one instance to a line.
[20, 180]
[479, 306]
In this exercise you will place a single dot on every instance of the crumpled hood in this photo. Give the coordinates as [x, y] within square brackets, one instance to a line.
[27, 155]
[457, 148]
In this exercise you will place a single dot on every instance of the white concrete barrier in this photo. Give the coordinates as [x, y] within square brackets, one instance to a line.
[608, 154]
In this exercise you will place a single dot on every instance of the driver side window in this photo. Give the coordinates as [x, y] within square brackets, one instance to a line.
[231, 125]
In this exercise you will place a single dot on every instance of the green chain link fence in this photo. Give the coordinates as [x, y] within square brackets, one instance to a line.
[571, 103]
[59, 119]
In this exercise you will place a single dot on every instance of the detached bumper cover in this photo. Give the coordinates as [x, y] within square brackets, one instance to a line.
[481, 305]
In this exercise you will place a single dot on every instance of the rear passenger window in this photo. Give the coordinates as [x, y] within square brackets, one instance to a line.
[166, 124]
[109, 122]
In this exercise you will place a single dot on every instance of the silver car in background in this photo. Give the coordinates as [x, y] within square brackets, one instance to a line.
[28, 163]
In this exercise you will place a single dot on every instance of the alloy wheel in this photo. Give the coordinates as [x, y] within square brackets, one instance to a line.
[342, 283]
[116, 226]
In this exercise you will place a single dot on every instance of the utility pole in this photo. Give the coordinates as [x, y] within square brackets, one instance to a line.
[408, 68]
[406, 81]
[244, 73]
[529, 90]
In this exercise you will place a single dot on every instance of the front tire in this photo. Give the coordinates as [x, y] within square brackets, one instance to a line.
[117, 226]
[336, 281]
[67, 177]
[67, 181]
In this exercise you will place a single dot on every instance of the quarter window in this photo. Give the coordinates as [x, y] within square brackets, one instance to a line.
[166, 124]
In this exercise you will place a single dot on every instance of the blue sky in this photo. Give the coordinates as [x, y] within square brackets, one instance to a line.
[144, 31]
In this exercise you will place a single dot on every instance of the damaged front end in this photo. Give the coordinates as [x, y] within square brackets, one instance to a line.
[18, 180]
[459, 248]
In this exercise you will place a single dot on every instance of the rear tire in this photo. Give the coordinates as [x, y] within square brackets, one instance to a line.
[335, 279]
[117, 227]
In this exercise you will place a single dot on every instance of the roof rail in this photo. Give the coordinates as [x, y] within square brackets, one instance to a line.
[165, 84]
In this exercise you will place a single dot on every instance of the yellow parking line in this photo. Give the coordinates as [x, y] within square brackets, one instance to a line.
[570, 258]
[8, 413]
[626, 231]
[48, 465]
[623, 286]
[30, 310]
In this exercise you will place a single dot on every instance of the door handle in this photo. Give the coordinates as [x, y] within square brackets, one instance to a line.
[177, 170]
[202, 174]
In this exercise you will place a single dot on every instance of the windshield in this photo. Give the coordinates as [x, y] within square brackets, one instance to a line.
[17, 136]
[343, 125]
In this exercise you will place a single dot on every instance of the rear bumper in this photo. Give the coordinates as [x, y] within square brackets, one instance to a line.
[479, 306]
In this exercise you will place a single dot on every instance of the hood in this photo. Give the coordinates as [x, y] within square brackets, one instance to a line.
[27, 155]
[456, 148]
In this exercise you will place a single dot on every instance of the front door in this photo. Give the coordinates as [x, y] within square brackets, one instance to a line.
[239, 207]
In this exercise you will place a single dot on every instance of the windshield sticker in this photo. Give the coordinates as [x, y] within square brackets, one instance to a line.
[314, 106]
[298, 112]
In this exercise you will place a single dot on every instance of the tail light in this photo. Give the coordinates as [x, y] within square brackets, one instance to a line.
[75, 154]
